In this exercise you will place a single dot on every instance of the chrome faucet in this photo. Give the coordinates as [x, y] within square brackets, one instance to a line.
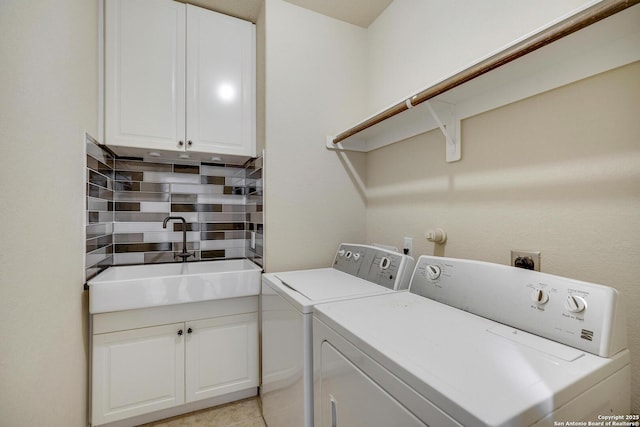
[184, 254]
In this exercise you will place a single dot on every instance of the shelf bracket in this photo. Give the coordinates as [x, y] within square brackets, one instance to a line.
[415, 120]
[450, 130]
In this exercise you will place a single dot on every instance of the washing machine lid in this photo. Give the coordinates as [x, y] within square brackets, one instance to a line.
[476, 370]
[328, 284]
[309, 287]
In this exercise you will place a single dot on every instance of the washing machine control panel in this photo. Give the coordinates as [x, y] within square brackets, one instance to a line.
[583, 315]
[349, 258]
[381, 266]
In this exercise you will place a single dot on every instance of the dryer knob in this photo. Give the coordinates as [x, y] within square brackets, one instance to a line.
[575, 304]
[341, 253]
[348, 254]
[433, 272]
[356, 256]
[540, 296]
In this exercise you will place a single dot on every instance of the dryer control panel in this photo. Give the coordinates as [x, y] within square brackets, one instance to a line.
[377, 265]
[583, 315]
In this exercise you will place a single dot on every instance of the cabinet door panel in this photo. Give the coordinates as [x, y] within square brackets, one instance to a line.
[222, 356]
[137, 371]
[220, 83]
[144, 75]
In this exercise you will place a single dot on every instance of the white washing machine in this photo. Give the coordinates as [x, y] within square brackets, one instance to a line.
[287, 301]
[472, 344]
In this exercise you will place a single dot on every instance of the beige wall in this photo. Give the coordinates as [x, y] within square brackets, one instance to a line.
[416, 43]
[314, 85]
[558, 173]
[48, 82]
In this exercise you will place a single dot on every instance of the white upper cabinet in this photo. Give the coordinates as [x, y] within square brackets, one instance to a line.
[178, 78]
[144, 76]
[220, 83]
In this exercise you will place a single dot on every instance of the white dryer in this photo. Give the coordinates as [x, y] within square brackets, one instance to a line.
[286, 306]
[472, 344]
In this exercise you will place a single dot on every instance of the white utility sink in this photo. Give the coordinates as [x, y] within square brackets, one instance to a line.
[138, 286]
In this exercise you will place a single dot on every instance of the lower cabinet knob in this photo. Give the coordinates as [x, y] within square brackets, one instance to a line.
[180, 332]
[189, 330]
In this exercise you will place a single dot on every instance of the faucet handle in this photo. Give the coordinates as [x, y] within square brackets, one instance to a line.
[184, 255]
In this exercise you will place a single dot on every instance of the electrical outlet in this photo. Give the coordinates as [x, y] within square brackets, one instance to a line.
[408, 246]
[526, 259]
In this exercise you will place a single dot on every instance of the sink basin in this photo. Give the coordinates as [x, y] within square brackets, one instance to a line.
[138, 286]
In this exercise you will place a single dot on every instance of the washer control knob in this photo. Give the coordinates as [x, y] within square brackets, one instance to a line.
[348, 254]
[433, 272]
[356, 256]
[575, 304]
[341, 253]
[385, 262]
[540, 296]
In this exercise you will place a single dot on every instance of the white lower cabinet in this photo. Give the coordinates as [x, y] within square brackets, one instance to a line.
[137, 371]
[147, 369]
[219, 358]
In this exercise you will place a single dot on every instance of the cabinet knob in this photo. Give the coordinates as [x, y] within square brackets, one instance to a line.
[189, 143]
[180, 143]
[189, 330]
[180, 332]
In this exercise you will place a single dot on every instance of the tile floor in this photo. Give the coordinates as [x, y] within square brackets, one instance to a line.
[243, 413]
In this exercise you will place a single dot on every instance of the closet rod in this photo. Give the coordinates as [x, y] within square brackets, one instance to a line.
[576, 22]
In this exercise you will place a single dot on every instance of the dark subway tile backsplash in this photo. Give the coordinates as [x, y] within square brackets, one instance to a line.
[126, 186]
[195, 207]
[142, 166]
[128, 176]
[186, 169]
[213, 254]
[127, 200]
[127, 206]
[142, 247]
[217, 180]
[179, 226]
[223, 226]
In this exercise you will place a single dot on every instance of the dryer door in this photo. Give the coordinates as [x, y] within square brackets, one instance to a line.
[350, 398]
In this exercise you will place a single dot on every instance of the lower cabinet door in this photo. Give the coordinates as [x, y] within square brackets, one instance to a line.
[222, 356]
[137, 371]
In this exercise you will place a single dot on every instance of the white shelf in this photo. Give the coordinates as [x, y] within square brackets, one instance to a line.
[607, 44]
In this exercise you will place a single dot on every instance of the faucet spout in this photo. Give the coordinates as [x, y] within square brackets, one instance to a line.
[169, 218]
[184, 254]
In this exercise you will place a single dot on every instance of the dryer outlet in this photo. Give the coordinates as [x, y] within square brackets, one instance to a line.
[525, 259]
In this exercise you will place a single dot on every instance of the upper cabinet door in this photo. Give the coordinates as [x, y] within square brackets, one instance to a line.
[145, 73]
[220, 83]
